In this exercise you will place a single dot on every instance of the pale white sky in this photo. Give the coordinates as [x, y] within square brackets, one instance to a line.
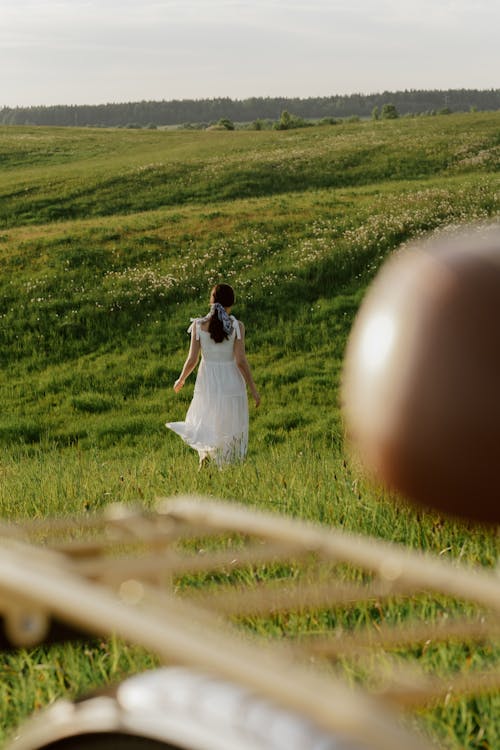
[97, 51]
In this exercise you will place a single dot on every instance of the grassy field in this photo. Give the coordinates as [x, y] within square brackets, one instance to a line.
[109, 243]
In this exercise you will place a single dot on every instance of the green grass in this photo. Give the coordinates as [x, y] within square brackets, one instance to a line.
[54, 174]
[109, 243]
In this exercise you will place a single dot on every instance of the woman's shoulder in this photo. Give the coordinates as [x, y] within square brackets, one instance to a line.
[195, 325]
[239, 328]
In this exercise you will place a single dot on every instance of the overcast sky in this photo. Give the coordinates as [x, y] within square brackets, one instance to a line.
[97, 51]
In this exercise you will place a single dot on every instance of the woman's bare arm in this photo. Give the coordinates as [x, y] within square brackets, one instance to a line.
[191, 360]
[243, 366]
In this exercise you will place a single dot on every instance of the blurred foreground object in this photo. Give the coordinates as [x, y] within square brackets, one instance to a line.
[421, 382]
[187, 581]
[174, 708]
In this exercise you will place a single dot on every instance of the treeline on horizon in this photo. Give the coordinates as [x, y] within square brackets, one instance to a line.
[185, 111]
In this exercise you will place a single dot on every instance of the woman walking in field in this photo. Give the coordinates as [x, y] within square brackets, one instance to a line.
[216, 423]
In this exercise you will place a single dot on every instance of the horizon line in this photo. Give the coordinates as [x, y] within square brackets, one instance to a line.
[247, 98]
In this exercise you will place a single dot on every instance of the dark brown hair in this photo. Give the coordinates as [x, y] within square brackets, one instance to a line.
[224, 294]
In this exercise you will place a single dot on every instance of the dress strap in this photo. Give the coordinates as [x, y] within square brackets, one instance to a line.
[195, 323]
[236, 325]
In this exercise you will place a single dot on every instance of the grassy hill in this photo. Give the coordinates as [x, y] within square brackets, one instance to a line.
[110, 241]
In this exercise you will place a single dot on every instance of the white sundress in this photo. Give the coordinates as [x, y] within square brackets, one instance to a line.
[216, 423]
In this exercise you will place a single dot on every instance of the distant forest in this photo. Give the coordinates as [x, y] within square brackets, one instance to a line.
[207, 111]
